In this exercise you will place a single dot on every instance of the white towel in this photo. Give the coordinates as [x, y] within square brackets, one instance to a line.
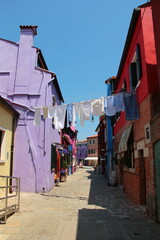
[59, 116]
[51, 111]
[37, 116]
[98, 107]
[85, 111]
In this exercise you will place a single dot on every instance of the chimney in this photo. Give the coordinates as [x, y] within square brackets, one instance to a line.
[24, 58]
[27, 34]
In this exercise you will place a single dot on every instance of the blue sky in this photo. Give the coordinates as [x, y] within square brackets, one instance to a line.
[81, 40]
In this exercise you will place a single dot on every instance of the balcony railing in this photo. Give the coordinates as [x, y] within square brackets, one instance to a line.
[9, 196]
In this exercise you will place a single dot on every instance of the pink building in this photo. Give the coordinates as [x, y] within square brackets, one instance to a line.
[92, 146]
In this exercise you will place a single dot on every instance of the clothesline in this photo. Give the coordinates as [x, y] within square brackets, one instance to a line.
[110, 105]
[74, 99]
[88, 96]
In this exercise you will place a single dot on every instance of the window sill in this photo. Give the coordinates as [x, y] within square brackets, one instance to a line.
[2, 161]
[131, 170]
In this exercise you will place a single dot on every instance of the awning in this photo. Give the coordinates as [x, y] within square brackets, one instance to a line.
[124, 139]
[91, 158]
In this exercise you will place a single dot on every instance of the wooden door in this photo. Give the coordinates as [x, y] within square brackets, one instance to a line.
[157, 171]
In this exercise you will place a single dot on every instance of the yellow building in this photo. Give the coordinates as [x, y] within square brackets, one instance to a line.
[8, 120]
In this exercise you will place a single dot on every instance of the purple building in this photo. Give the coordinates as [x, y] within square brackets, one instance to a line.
[81, 147]
[26, 83]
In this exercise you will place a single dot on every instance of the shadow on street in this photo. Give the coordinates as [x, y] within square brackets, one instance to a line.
[112, 216]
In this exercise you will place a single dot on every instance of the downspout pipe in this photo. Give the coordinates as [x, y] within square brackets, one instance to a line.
[14, 124]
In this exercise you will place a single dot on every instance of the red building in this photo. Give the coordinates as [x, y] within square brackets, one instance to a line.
[155, 123]
[101, 130]
[133, 142]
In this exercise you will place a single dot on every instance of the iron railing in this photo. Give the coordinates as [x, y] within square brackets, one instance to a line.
[9, 196]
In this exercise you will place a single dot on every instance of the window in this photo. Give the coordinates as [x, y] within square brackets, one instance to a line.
[135, 68]
[53, 157]
[91, 151]
[129, 160]
[2, 145]
[124, 86]
[147, 133]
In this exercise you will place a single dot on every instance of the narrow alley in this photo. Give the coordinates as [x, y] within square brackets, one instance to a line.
[82, 208]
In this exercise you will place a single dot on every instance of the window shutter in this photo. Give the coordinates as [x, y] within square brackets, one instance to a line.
[138, 62]
[133, 75]
[53, 157]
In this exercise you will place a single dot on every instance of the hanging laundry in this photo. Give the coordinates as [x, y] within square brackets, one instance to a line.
[45, 112]
[86, 108]
[119, 102]
[98, 107]
[74, 116]
[77, 109]
[85, 111]
[69, 114]
[37, 116]
[51, 111]
[109, 106]
[59, 116]
[131, 106]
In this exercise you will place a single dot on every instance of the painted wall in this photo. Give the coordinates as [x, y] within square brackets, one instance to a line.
[92, 144]
[81, 150]
[28, 86]
[148, 83]
[147, 88]
[6, 121]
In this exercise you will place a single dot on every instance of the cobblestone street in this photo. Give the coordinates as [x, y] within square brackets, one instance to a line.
[82, 208]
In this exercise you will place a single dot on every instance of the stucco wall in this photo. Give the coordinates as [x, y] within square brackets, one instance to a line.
[28, 86]
[6, 120]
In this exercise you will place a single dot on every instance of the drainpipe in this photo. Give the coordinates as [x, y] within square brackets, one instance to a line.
[12, 151]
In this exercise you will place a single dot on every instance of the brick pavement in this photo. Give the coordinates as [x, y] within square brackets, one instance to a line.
[82, 208]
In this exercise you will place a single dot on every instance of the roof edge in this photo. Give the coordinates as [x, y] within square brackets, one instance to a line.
[135, 15]
[93, 136]
[5, 40]
[58, 88]
[5, 103]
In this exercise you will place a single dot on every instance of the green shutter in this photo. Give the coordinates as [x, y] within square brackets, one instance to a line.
[138, 62]
[133, 75]
[53, 157]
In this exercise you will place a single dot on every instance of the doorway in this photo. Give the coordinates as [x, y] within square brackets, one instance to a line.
[142, 182]
[157, 173]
